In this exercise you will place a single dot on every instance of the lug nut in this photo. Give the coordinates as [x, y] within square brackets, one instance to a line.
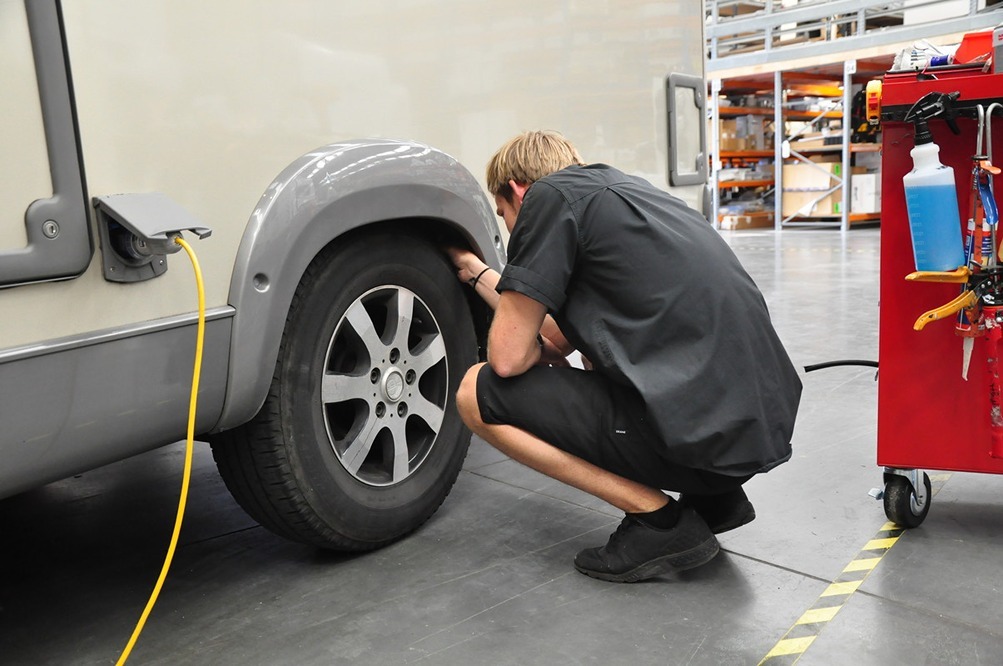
[402, 410]
[374, 376]
[381, 409]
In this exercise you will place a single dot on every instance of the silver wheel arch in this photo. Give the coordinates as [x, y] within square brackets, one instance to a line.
[318, 198]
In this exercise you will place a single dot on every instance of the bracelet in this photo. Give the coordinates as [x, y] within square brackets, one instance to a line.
[473, 283]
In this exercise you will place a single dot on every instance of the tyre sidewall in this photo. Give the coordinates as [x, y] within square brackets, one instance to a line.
[340, 501]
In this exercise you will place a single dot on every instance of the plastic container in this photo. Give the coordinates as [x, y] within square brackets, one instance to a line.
[932, 203]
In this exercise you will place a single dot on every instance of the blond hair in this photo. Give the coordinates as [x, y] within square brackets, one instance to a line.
[527, 158]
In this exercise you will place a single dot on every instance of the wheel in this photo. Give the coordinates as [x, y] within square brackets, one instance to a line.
[359, 441]
[901, 505]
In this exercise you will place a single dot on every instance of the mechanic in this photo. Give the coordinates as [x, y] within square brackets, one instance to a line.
[690, 388]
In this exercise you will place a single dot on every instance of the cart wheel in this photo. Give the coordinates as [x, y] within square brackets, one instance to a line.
[901, 505]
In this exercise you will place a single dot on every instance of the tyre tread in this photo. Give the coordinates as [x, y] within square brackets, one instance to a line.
[256, 466]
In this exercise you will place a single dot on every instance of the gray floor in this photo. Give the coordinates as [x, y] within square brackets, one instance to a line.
[489, 579]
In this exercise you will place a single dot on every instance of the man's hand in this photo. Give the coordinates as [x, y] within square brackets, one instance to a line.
[468, 264]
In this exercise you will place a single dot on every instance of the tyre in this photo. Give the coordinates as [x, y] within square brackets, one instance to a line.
[359, 441]
[901, 505]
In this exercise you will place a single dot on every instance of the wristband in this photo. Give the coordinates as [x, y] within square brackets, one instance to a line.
[473, 283]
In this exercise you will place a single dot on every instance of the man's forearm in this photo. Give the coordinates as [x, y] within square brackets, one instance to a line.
[513, 341]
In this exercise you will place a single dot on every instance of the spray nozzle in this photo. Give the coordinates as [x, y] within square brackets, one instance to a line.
[930, 106]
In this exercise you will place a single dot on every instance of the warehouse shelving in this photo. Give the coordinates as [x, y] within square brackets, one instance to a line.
[780, 50]
[779, 90]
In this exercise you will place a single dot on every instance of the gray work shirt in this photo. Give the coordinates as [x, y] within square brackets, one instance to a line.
[646, 289]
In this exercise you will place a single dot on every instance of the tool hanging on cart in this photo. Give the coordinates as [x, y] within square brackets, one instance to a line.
[981, 272]
[979, 307]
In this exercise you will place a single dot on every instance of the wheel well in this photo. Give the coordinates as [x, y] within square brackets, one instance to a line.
[440, 234]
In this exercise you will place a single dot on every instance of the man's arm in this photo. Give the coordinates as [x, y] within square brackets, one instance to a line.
[512, 345]
[470, 267]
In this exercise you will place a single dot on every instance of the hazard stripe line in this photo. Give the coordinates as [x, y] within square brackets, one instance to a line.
[790, 646]
[806, 628]
[865, 564]
[816, 615]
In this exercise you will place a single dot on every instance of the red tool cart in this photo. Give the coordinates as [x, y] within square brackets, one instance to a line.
[929, 416]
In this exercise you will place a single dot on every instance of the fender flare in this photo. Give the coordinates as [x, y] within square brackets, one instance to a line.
[314, 201]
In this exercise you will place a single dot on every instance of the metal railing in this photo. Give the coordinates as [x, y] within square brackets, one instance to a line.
[743, 33]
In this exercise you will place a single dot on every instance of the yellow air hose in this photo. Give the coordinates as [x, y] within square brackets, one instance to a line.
[189, 446]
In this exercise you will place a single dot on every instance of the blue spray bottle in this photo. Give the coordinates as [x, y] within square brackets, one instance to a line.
[931, 193]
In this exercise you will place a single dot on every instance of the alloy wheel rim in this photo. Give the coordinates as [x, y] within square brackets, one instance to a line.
[384, 388]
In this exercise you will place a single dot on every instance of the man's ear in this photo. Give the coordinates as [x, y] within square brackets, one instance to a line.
[518, 190]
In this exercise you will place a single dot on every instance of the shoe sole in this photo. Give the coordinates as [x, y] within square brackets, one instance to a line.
[688, 559]
[748, 515]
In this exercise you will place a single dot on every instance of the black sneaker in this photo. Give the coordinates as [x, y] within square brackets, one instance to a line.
[635, 551]
[721, 512]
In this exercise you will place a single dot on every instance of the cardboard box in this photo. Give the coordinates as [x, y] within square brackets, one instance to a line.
[865, 193]
[805, 204]
[747, 221]
[743, 133]
[808, 177]
[729, 143]
[818, 176]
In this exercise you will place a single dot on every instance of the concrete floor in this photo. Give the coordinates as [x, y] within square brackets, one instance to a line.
[489, 579]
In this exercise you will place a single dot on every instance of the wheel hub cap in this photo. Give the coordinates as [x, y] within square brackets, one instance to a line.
[393, 385]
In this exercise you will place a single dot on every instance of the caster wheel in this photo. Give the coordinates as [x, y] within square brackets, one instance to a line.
[901, 505]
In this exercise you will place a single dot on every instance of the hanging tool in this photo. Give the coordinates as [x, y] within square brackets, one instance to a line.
[993, 322]
[980, 254]
[980, 305]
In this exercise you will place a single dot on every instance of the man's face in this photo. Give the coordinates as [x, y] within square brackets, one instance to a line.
[507, 210]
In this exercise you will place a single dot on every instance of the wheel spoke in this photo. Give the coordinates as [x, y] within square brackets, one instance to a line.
[405, 315]
[362, 323]
[357, 451]
[434, 352]
[402, 463]
[427, 411]
[339, 388]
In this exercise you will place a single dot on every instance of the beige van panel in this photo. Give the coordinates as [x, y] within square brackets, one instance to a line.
[208, 101]
[24, 167]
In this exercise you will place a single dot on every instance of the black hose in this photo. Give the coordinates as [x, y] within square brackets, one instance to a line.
[833, 364]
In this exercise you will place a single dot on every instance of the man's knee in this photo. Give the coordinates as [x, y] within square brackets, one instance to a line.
[466, 398]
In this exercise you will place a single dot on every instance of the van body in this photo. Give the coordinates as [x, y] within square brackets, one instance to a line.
[318, 157]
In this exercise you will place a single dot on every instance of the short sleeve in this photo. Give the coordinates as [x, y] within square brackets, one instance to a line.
[543, 248]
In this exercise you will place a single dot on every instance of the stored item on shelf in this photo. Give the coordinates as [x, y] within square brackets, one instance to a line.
[865, 193]
[817, 175]
[922, 55]
[931, 194]
[743, 133]
[873, 94]
[812, 204]
[760, 220]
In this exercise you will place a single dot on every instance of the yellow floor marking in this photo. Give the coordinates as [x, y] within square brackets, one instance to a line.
[878, 544]
[818, 615]
[863, 562]
[790, 646]
[862, 565]
[841, 588]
